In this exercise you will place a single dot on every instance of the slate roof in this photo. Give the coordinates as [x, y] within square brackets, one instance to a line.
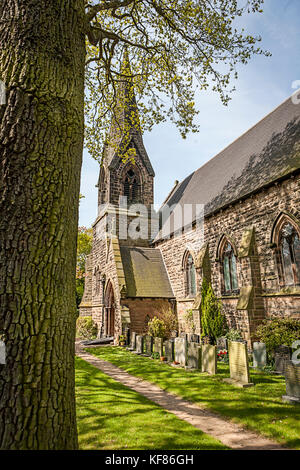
[268, 151]
[128, 117]
[145, 273]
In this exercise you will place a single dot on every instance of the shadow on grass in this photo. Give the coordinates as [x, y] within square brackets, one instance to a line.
[259, 408]
[111, 416]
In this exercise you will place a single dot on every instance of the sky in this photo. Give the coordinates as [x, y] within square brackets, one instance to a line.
[263, 84]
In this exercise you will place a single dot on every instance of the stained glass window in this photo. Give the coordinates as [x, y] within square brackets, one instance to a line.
[190, 276]
[229, 270]
[289, 249]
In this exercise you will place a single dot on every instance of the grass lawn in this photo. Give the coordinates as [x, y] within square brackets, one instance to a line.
[111, 416]
[259, 408]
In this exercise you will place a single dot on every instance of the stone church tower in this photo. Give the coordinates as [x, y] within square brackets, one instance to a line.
[119, 291]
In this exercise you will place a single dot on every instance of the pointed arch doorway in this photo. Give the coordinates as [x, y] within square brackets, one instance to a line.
[109, 320]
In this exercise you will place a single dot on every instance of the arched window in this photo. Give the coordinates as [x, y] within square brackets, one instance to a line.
[230, 283]
[131, 186]
[288, 255]
[190, 276]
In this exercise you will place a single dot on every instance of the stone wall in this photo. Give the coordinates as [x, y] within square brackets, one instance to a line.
[144, 309]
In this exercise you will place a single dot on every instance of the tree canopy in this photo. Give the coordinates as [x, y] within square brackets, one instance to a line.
[174, 47]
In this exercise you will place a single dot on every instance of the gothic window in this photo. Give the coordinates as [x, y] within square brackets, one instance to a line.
[230, 283]
[190, 276]
[131, 186]
[288, 255]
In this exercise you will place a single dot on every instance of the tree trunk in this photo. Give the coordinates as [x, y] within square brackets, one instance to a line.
[41, 137]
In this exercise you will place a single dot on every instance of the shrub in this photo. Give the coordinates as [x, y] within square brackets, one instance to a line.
[171, 322]
[234, 335]
[277, 332]
[157, 328]
[86, 328]
[163, 326]
[213, 321]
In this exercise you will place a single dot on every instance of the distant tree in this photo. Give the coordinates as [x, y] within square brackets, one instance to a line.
[84, 246]
[49, 50]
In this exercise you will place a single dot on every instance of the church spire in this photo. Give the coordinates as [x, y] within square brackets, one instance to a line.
[125, 120]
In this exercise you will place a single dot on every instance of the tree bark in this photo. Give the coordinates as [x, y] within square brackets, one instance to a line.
[41, 139]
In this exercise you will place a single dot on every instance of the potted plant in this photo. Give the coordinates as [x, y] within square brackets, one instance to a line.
[122, 340]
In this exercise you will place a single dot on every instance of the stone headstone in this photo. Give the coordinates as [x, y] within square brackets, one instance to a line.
[209, 358]
[259, 355]
[2, 353]
[148, 341]
[292, 382]
[180, 351]
[183, 335]
[222, 343]
[139, 344]
[195, 338]
[169, 350]
[194, 355]
[133, 340]
[238, 364]
[158, 346]
[282, 356]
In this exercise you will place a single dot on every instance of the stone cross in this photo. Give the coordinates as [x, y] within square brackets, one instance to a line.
[259, 355]
[209, 358]
[180, 349]
[292, 382]
[238, 364]
[194, 355]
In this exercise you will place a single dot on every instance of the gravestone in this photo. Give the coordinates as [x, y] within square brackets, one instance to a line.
[183, 335]
[180, 351]
[193, 338]
[282, 356]
[209, 358]
[139, 344]
[292, 382]
[132, 341]
[222, 343]
[2, 352]
[194, 355]
[169, 350]
[259, 355]
[238, 364]
[148, 341]
[158, 346]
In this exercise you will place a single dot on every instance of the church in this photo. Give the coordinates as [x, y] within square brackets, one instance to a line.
[235, 221]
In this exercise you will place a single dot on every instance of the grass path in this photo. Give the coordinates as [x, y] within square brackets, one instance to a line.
[111, 416]
[259, 408]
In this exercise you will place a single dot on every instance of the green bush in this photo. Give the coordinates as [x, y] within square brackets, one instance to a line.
[233, 335]
[157, 328]
[213, 321]
[277, 332]
[86, 328]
